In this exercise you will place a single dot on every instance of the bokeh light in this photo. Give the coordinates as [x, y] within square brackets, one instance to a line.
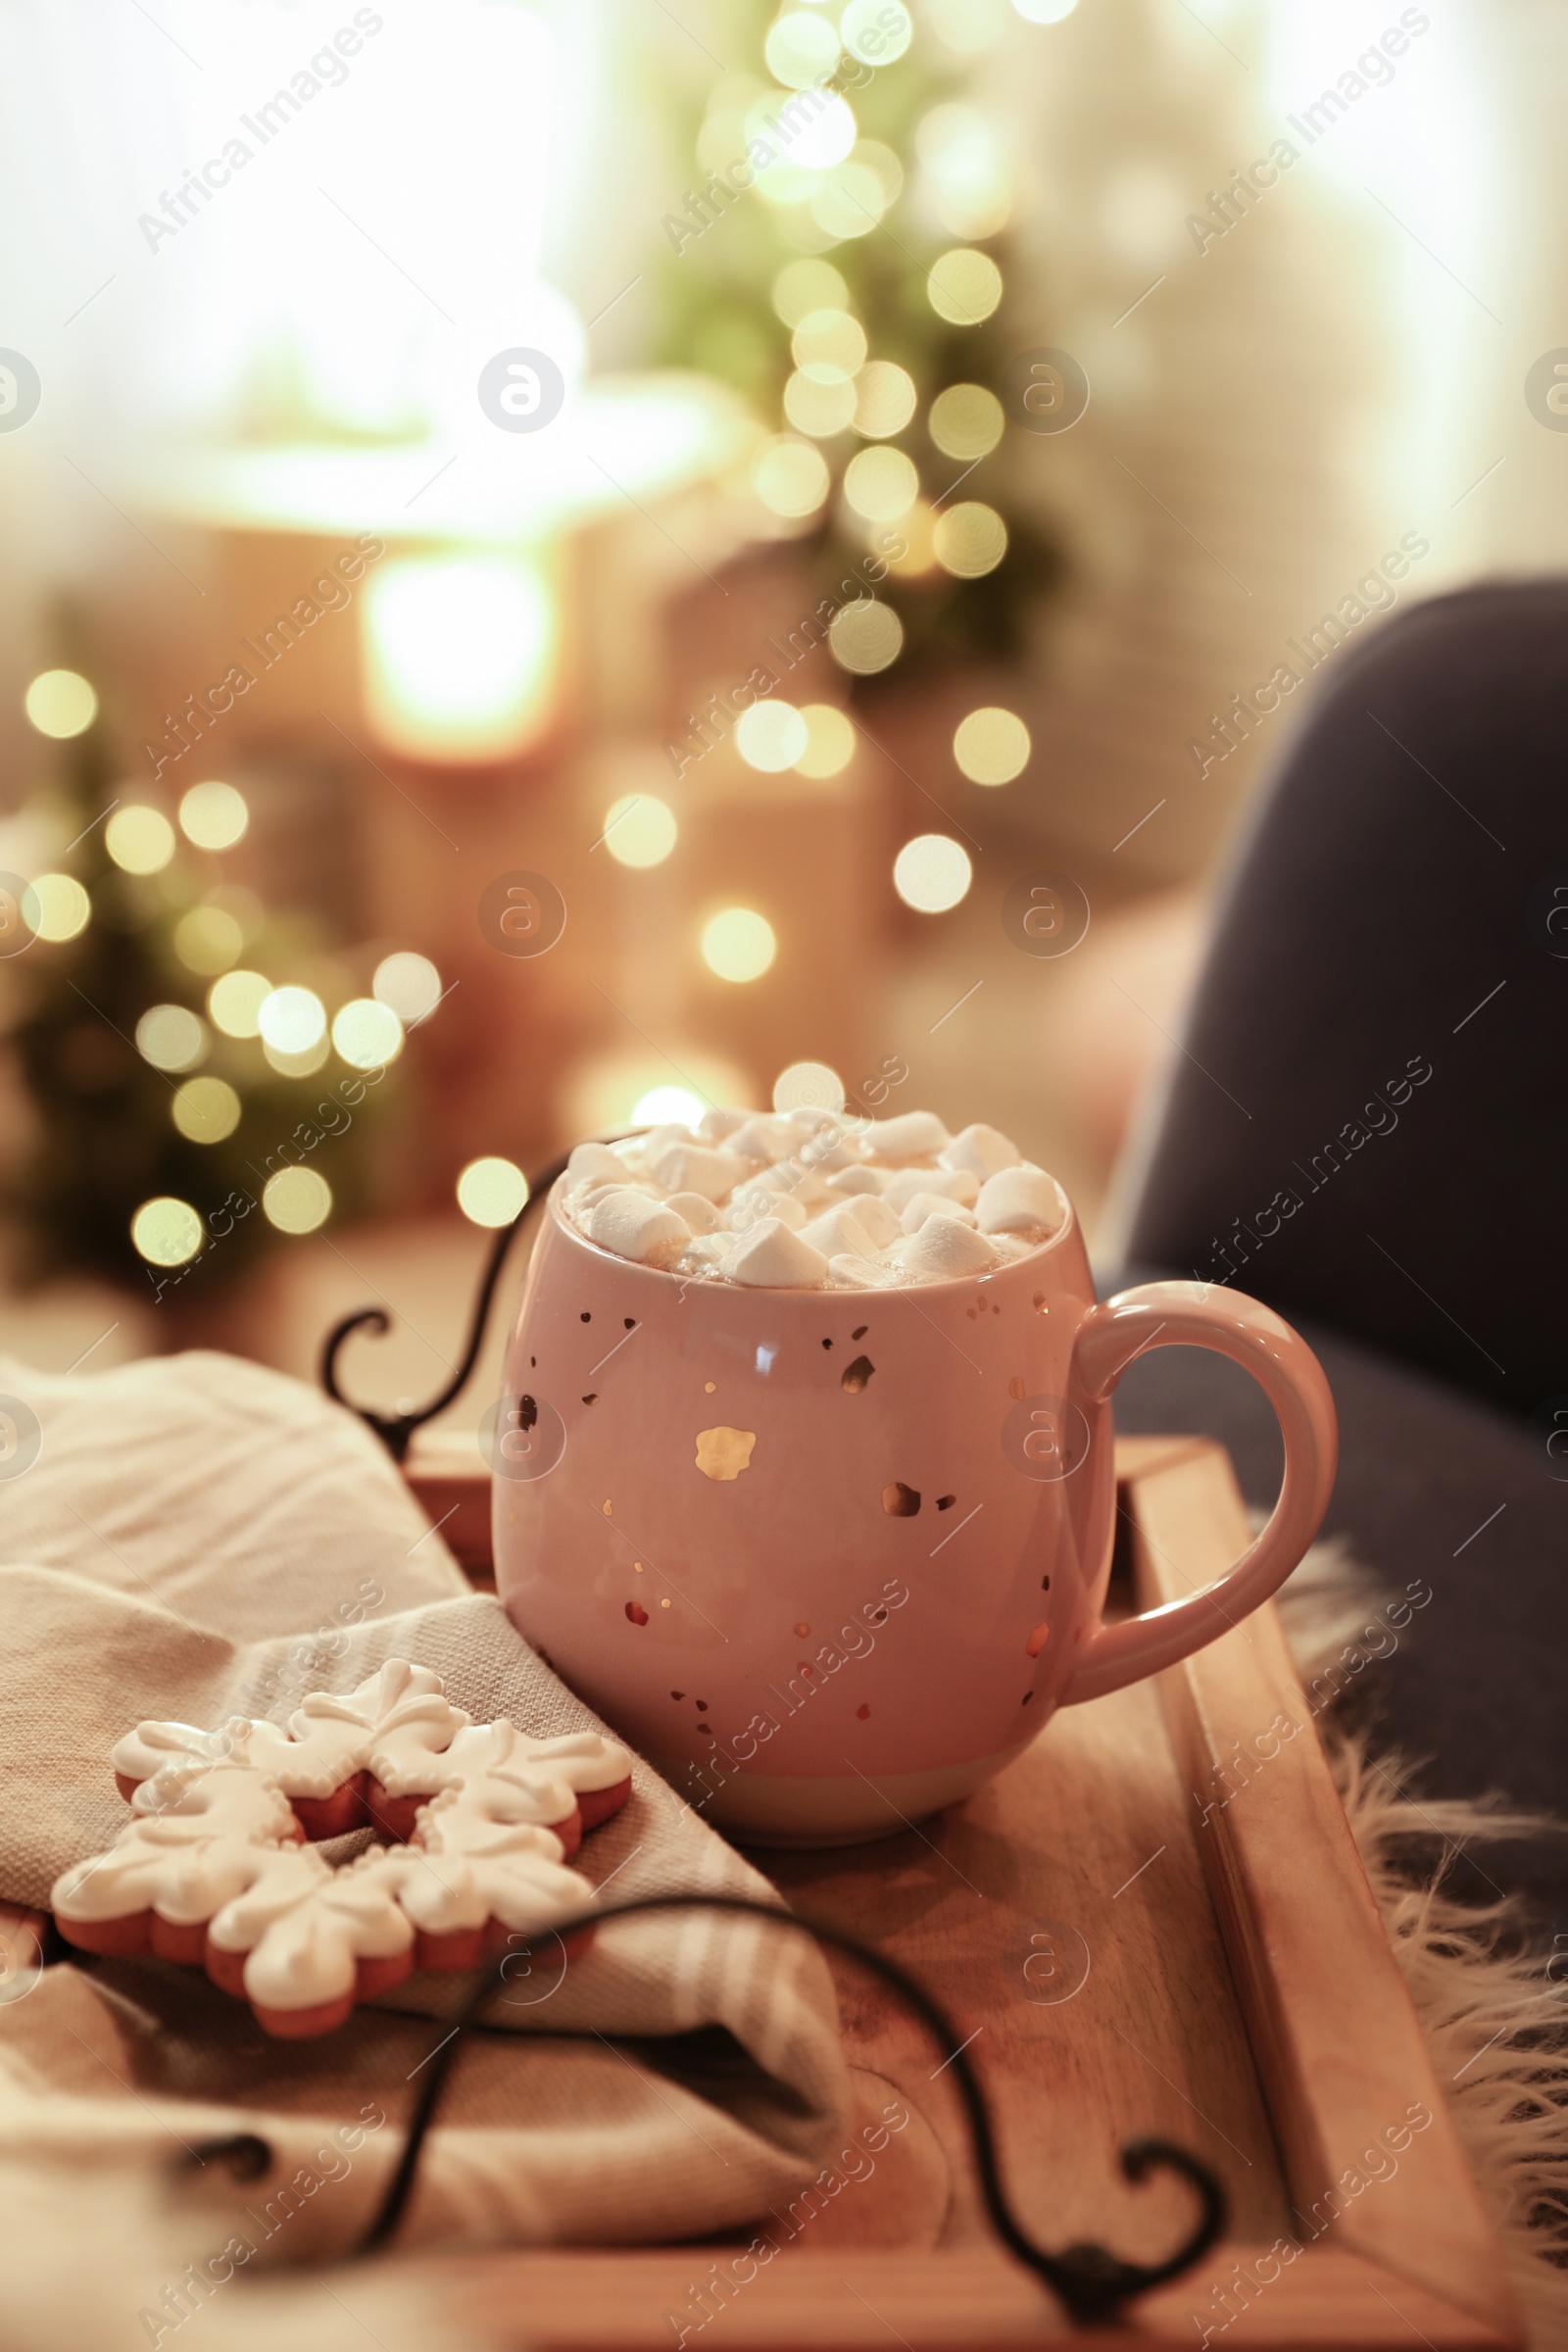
[667, 1106]
[919, 531]
[820, 409]
[770, 736]
[55, 907]
[297, 1200]
[866, 636]
[366, 1033]
[963, 286]
[292, 1020]
[808, 1086]
[991, 746]
[829, 741]
[970, 540]
[885, 399]
[789, 477]
[166, 1232]
[739, 943]
[140, 840]
[171, 1037]
[932, 873]
[800, 49]
[803, 286]
[214, 815]
[829, 346]
[208, 940]
[876, 31]
[410, 983]
[968, 176]
[968, 26]
[640, 829]
[236, 1001]
[492, 1192]
[967, 422]
[61, 702]
[881, 484]
[1044, 12]
[828, 138]
[849, 199]
[206, 1111]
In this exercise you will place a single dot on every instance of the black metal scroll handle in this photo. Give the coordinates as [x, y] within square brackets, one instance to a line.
[1090, 2282]
[396, 1430]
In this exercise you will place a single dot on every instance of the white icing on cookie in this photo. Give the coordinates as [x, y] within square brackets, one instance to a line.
[214, 1839]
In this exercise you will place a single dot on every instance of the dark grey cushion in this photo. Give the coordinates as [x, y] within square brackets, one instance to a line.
[1441, 1492]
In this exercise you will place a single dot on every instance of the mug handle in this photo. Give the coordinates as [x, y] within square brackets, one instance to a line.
[1174, 1315]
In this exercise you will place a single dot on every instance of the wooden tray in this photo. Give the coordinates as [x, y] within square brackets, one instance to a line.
[1155, 1922]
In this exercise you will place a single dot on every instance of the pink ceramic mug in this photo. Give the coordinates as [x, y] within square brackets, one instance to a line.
[831, 1558]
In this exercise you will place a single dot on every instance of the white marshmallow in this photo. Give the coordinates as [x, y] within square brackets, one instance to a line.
[771, 1256]
[590, 1160]
[682, 1166]
[912, 1135]
[761, 1137]
[839, 1233]
[863, 1273]
[872, 1212]
[858, 1179]
[942, 1248]
[1019, 1200]
[954, 1184]
[932, 1204]
[716, 1123]
[983, 1150]
[634, 1226]
[750, 1203]
[697, 1210]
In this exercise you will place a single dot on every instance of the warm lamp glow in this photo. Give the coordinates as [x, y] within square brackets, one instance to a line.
[668, 1106]
[460, 654]
[829, 741]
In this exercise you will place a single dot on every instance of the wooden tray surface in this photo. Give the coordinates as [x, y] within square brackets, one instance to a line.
[1155, 1922]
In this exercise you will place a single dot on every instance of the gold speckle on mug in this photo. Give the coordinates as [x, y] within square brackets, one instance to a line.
[855, 1376]
[663, 1605]
[1036, 1641]
[723, 1453]
[900, 1501]
[637, 1567]
[1016, 1389]
[607, 1506]
[709, 1385]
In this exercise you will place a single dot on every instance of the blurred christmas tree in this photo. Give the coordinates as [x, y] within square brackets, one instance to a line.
[836, 260]
[192, 1098]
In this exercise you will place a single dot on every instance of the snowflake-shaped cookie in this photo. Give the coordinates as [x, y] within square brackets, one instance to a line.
[214, 1868]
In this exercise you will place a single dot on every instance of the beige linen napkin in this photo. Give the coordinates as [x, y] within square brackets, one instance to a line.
[200, 1538]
